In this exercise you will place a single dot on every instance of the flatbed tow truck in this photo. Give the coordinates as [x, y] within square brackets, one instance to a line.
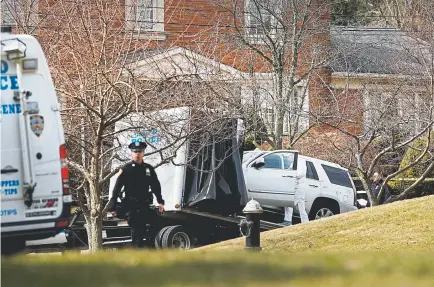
[204, 189]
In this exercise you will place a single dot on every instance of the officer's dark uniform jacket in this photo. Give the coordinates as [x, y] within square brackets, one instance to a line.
[136, 180]
[376, 186]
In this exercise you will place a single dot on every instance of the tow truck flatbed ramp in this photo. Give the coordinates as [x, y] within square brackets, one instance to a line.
[265, 225]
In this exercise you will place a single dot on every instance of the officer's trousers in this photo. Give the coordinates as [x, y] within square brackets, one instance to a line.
[137, 220]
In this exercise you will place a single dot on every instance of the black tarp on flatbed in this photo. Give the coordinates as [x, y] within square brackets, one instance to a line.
[214, 181]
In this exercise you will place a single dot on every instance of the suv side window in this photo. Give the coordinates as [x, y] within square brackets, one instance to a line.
[311, 171]
[288, 160]
[273, 161]
[337, 176]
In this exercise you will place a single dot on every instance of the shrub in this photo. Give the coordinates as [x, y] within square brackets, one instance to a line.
[409, 176]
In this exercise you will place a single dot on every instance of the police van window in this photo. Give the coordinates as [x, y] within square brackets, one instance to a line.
[288, 160]
[273, 161]
[311, 171]
[337, 176]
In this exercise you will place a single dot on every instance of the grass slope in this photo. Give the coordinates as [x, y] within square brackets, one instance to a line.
[373, 247]
[401, 225]
[209, 269]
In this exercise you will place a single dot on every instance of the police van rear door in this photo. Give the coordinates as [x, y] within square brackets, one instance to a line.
[44, 139]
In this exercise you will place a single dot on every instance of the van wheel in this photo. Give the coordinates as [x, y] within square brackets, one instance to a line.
[323, 208]
[176, 238]
[159, 237]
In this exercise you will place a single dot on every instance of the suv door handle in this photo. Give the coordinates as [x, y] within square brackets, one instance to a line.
[313, 185]
[288, 176]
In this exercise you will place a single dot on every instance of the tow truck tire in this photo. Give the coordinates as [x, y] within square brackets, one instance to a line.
[159, 236]
[176, 238]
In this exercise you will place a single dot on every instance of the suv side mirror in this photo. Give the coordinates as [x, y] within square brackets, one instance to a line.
[259, 163]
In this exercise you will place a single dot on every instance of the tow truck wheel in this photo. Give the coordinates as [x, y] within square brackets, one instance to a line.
[176, 238]
[159, 236]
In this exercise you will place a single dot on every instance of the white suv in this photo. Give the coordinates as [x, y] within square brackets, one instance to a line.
[271, 178]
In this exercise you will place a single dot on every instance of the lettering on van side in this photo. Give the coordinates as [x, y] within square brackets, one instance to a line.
[11, 187]
[10, 109]
[9, 191]
[151, 135]
[10, 183]
[7, 82]
[9, 212]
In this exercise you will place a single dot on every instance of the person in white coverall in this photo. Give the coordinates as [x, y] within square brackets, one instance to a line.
[299, 200]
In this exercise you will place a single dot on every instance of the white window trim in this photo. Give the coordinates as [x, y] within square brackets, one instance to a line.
[157, 32]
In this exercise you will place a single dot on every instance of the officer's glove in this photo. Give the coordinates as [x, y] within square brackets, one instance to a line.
[161, 208]
[108, 206]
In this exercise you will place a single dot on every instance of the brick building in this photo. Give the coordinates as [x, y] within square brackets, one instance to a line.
[183, 40]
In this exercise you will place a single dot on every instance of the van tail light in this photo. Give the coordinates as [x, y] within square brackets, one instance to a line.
[62, 223]
[64, 170]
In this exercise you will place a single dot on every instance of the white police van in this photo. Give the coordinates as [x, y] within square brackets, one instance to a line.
[35, 195]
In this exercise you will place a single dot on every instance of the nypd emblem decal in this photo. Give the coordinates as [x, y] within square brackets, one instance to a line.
[37, 124]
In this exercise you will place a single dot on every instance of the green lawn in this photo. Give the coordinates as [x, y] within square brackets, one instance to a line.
[384, 246]
[128, 268]
[405, 225]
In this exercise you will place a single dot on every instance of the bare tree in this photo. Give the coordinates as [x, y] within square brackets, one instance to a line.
[89, 64]
[110, 77]
[409, 15]
[284, 46]
[390, 110]
[110, 86]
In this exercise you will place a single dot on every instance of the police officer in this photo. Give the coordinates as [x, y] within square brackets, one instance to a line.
[377, 183]
[136, 177]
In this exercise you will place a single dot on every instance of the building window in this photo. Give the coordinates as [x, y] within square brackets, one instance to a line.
[19, 13]
[297, 113]
[145, 16]
[383, 112]
[259, 21]
[406, 111]
[296, 117]
[8, 9]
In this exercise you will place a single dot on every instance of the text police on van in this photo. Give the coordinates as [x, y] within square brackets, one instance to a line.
[8, 82]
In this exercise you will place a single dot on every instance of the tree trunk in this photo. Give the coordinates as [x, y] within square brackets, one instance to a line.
[94, 231]
[94, 218]
[367, 188]
[278, 131]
